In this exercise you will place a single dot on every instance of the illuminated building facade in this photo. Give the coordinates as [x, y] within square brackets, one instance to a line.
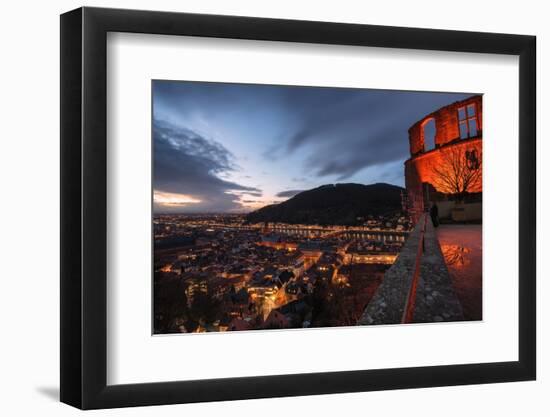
[383, 258]
[444, 144]
[195, 286]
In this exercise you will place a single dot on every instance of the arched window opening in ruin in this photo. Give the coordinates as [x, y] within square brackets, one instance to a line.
[467, 121]
[428, 133]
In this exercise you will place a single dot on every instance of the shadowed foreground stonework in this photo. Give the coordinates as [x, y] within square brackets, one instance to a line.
[417, 288]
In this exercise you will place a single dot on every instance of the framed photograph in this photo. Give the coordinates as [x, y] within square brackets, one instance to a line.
[260, 208]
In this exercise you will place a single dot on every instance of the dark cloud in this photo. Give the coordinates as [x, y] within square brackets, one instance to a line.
[187, 163]
[289, 193]
[246, 190]
[343, 131]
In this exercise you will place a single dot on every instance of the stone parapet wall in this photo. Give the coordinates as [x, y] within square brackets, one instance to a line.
[389, 302]
[436, 299]
[429, 297]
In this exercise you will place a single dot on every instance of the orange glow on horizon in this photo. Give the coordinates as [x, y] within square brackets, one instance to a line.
[174, 199]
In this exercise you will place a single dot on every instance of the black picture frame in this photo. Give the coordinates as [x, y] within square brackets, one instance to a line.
[84, 207]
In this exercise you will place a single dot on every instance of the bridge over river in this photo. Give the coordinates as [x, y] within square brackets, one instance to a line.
[382, 235]
[350, 232]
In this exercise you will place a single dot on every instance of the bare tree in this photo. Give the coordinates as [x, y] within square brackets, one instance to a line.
[458, 172]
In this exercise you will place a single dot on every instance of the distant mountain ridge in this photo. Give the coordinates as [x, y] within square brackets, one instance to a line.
[333, 204]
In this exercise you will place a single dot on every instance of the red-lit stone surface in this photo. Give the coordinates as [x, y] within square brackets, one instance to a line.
[446, 121]
[461, 248]
[419, 168]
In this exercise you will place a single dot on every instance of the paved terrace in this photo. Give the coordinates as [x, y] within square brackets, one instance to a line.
[418, 287]
[461, 247]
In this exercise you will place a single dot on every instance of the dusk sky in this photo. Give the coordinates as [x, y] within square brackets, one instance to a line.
[237, 147]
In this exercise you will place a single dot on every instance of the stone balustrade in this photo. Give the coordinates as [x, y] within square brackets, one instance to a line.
[417, 288]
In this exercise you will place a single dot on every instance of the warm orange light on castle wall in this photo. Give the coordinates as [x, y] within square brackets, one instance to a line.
[421, 169]
[458, 136]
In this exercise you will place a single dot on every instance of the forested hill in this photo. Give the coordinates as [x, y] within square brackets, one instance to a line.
[333, 204]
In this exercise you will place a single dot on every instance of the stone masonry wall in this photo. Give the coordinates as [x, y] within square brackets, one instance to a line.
[388, 304]
[435, 299]
[419, 169]
[446, 125]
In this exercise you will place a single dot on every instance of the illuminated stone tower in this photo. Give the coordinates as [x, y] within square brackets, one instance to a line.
[453, 149]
